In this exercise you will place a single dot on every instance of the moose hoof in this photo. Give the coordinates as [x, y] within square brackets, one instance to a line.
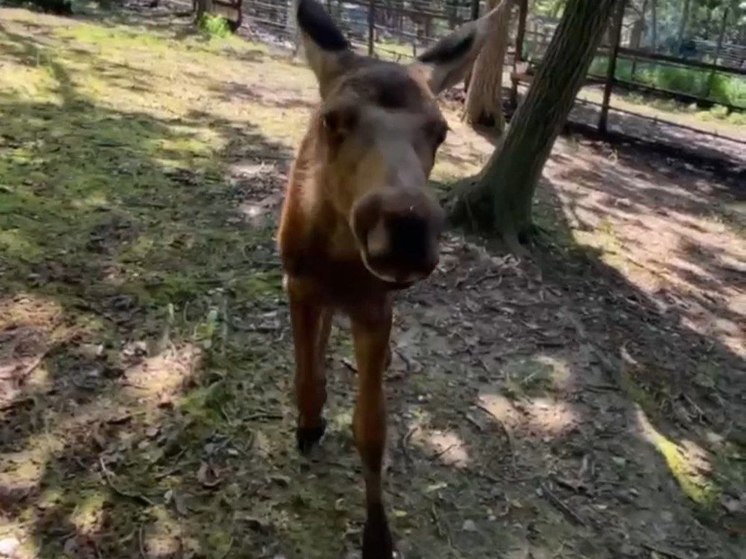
[307, 437]
[377, 541]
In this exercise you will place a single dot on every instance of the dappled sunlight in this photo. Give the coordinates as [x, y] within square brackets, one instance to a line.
[164, 536]
[444, 445]
[547, 415]
[688, 463]
[663, 232]
[160, 377]
[30, 326]
[448, 446]
[500, 407]
[89, 513]
[21, 472]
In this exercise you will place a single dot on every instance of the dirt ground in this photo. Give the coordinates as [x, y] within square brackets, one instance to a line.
[586, 402]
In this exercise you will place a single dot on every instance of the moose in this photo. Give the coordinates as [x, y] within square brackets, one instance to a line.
[359, 224]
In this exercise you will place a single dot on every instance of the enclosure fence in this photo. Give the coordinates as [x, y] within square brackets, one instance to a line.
[401, 29]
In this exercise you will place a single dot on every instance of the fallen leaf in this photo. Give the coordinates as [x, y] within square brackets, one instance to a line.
[208, 475]
[180, 504]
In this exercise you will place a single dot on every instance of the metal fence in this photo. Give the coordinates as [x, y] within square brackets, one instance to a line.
[400, 29]
[386, 29]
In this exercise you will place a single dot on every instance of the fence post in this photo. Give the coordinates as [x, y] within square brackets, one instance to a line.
[610, 74]
[718, 50]
[474, 9]
[371, 27]
[518, 56]
[641, 35]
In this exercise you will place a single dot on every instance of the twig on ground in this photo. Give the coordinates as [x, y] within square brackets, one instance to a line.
[141, 541]
[266, 416]
[28, 369]
[664, 551]
[173, 469]
[489, 276]
[350, 365]
[109, 477]
[508, 436]
[404, 443]
[559, 505]
[474, 422]
[436, 521]
[228, 549]
[404, 358]
[442, 452]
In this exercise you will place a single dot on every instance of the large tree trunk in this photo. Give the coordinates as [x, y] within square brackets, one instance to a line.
[654, 24]
[484, 94]
[502, 195]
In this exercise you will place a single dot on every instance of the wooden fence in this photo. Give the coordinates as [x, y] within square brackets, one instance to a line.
[385, 30]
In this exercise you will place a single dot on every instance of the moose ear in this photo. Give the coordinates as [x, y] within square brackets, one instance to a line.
[446, 63]
[326, 48]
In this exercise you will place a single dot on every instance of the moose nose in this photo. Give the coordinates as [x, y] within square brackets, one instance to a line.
[398, 234]
[403, 242]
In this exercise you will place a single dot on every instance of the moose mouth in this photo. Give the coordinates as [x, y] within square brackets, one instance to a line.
[399, 253]
[394, 280]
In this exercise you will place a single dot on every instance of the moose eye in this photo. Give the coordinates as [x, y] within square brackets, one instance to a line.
[339, 121]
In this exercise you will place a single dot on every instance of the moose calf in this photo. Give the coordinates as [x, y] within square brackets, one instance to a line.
[359, 223]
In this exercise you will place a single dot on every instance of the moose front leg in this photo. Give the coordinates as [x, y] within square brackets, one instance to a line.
[311, 325]
[371, 336]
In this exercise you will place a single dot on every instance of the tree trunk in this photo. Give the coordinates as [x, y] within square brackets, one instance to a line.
[202, 7]
[501, 198]
[637, 36]
[291, 27]
[654, 24]
[484, 95]
[684, 22]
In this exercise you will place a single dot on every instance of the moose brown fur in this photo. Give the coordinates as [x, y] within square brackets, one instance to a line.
[358, 222]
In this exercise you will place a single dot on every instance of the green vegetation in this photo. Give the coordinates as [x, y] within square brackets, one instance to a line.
[719, 88]
[214, 26]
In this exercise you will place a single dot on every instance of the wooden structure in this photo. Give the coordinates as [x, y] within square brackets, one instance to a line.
[524, 66]
[402, 32]
[231, 10]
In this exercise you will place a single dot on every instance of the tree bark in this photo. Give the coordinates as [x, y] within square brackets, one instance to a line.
[501, 197]
[484, 94]
[202, 7]
[654, 24]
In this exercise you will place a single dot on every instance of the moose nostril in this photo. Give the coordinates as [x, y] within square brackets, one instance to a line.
[377, 241]
[409, 239]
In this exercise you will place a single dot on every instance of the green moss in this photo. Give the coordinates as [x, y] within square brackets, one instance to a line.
[696, 487]
[205, 404]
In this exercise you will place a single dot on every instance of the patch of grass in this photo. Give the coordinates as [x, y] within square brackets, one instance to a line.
[699, 489]
[214, 26]
[721, 113]
[684, 464]
[534, 376]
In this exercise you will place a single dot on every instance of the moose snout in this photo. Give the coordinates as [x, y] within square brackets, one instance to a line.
[398, 234]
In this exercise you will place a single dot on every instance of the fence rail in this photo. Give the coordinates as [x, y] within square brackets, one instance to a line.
[400, 32]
